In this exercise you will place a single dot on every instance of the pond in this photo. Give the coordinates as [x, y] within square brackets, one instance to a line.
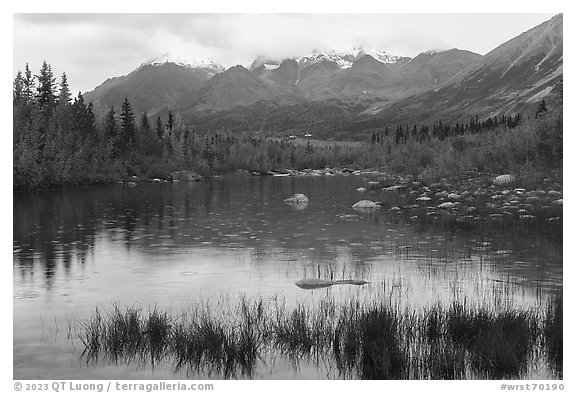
[170, 245]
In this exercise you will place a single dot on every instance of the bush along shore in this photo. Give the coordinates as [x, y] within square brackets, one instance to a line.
[367, 340]
[58, 141]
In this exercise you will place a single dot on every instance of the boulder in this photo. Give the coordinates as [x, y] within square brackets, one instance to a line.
[453, 196]
[446, 205]
[442, 194]
[503, 180]
[394, 188]
[361, 189]
[423, 199]
[185, 176]
[297, 199]
[557, 202]
[365, 204]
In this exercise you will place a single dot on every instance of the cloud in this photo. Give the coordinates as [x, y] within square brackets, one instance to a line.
[93, 47]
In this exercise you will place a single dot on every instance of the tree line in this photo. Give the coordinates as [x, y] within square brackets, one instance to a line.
[57, 140]
[441, 131]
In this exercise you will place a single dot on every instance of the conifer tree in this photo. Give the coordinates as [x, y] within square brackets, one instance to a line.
[83, 117]
[18, 90]
[110, 125]
[170, 124]
[64, 96]
[145, 124]
[46, 90]
[159, 128]
[111, 134]
[127, 127]
[28, 87]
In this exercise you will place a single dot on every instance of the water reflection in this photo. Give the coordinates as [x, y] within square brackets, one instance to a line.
[59, 228]
[76, 248]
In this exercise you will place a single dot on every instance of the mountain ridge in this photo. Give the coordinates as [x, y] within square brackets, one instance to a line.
[354, 86]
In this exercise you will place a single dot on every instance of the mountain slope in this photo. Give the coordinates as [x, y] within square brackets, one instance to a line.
[156, 84]
[507, 80]
[432, 68]
[237, 86]
[362, 74]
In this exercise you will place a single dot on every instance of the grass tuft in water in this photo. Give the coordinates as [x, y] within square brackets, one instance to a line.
[382, 354]
[363, 340]
[553, 332]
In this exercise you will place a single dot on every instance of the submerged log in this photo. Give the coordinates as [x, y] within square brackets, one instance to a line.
[313, 283]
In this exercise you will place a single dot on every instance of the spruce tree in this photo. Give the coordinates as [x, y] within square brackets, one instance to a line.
[18, 90]
[110, 125]
[64, 96]
[170, 124]
[83, 117]
[46, 90]
[145, 137]
[159, 128]
[144, 124]
[128, 129]
[28, 87]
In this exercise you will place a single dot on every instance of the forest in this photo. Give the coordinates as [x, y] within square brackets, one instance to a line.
[58, 141]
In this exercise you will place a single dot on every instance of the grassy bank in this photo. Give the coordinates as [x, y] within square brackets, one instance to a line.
[368, 340]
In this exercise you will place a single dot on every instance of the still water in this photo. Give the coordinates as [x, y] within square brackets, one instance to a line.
[169, 245]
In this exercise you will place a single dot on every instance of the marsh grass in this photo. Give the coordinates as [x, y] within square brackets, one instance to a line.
[553, 332]
[363, 339]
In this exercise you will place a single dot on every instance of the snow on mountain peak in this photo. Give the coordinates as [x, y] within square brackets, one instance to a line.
[345, 57]
[203, 64]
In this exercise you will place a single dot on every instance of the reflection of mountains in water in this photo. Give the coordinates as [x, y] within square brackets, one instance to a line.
[57, 228]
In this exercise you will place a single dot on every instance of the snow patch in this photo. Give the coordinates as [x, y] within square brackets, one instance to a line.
[345, 58]
[203, 64]
[271, 66]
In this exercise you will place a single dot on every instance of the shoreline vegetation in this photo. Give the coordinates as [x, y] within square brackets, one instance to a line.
[369, 339]
[59, 142]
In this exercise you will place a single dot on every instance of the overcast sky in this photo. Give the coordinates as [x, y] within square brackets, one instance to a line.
[93, 47]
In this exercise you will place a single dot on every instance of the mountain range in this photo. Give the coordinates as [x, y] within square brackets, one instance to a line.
[340, 93]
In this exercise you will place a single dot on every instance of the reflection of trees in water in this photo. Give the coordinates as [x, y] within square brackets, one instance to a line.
[52, 229]
[530, 251]
[56, 228]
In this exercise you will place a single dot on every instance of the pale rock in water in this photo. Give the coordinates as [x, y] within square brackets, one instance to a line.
[453, 196]
[361, 189]
[297, 199]
[365, 204]
[503, 179]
